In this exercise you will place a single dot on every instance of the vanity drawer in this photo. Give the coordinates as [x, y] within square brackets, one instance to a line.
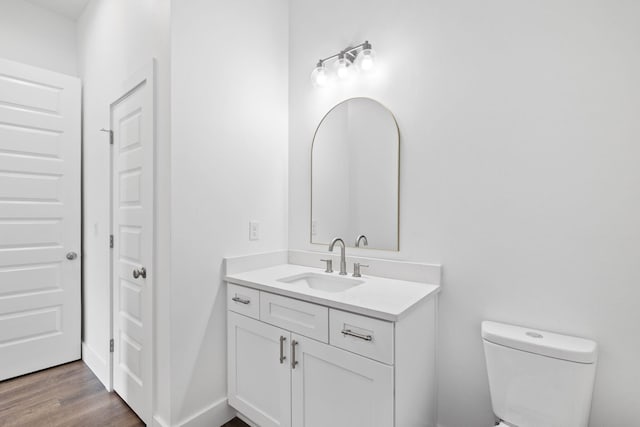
[304, 318]
[363, 335]
[243, 300]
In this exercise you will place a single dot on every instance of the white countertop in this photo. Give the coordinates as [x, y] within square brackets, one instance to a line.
[383, 298]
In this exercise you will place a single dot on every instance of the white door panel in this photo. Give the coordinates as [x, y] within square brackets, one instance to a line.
[41, 95]
[29, 141]
[132, 202]
[39, 218]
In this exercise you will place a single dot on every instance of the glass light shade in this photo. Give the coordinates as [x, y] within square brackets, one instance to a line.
[319, 76]
[343, 69]
[366, 60]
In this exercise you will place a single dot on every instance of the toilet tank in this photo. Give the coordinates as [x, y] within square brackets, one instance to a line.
[537, 378]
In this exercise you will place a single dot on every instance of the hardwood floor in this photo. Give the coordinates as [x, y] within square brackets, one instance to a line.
[236, 422]
[67, 395]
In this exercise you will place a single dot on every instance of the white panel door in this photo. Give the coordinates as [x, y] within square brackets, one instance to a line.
[132, 124]
[333, 387]
[259, 371]
[39, 219]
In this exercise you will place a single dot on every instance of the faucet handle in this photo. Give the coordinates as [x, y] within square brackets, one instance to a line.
[329, 268]
[356, 269]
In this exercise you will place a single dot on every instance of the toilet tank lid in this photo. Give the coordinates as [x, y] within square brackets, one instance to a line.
[544, 343]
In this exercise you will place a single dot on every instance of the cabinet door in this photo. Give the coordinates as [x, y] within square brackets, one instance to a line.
[333, 387]
[259, 376]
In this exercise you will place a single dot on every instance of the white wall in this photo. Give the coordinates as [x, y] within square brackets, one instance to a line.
[35, 36]
[229, 166]
[519, 170]
[116, 39]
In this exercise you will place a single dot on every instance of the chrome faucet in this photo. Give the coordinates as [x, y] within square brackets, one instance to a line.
[343, 261]
[364, 240]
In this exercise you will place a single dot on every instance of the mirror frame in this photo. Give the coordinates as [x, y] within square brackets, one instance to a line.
[347, 244]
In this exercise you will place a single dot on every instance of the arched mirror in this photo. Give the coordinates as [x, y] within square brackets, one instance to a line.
[355, 162]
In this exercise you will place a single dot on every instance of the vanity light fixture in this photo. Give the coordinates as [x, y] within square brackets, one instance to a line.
[362, 56]
[319, 76]
[343, 67]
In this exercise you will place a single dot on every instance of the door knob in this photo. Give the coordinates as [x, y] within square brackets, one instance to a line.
[71, 256]
[140, 272]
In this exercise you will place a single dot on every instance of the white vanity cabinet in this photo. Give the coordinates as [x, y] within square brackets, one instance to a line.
[300, 364]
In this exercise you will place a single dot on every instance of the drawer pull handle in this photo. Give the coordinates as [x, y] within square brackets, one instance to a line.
[282, 356]
[294, 362]
[349, 332]
[241, 300]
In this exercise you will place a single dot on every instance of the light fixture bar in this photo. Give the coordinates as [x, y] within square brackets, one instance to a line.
[363, 45]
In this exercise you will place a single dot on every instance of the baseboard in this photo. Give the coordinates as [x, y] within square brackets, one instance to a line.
[216, 414]
[246, 420]
[159, 422]
[97, 364]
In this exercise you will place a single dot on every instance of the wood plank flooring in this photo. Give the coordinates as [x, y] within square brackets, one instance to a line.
[236, 422]
[67, 395]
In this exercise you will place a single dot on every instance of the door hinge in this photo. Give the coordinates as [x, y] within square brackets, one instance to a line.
[111, 345]
[111, 241]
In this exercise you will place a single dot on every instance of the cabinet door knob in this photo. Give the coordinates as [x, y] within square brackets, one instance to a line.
[349, 332]
[241, 300]
[294, 362]
[282, 356]
[71, 256]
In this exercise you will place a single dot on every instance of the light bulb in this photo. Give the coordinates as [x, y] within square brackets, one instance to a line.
[319, 77]
[343, 68]
[366, 60]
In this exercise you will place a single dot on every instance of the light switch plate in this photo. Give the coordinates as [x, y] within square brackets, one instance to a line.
[254, 230]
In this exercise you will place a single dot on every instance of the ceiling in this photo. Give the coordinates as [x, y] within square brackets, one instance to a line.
[72, 9]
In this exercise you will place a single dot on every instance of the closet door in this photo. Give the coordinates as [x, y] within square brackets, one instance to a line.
[333, 387]
[133, 190]
[259, 371]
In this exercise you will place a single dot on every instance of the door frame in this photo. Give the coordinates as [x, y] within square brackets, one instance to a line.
[145, 75]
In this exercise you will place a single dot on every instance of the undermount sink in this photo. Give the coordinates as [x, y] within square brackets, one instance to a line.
[322, 282]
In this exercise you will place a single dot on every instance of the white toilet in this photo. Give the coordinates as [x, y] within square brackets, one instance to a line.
[537, 378]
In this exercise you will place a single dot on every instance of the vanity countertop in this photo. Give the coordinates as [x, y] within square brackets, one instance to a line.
[383, 298]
